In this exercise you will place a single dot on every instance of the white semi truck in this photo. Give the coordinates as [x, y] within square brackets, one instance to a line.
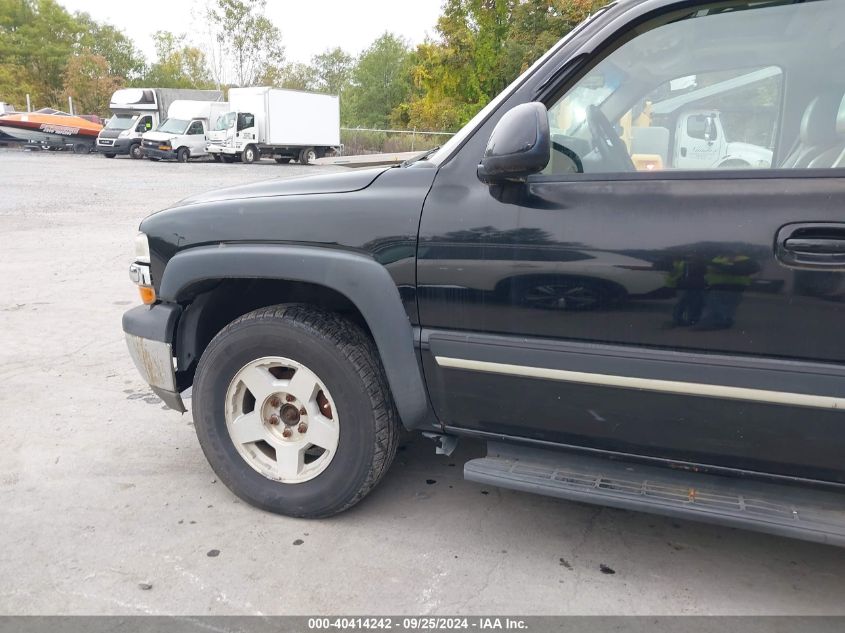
[284, 124]
[701, 143]
[690, 132]
[183, 135]
[139, 110]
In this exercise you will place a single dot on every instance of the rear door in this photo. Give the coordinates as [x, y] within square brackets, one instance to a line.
[680, 314]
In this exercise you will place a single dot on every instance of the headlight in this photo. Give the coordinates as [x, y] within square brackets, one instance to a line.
[142, 248]
[139, 270]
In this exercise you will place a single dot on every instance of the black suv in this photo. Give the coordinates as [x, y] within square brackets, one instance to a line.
[629, 308]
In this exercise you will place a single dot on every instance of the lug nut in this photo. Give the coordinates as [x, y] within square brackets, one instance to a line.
[287, 432]
[275, 402]
[274, 420]
[289, 398]
[302, 411]
[302, 427]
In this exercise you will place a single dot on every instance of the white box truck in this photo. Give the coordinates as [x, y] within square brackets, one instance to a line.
[139, 110]
[183, 135]
[284, 124]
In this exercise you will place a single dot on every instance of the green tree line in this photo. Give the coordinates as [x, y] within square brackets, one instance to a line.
[477, 48]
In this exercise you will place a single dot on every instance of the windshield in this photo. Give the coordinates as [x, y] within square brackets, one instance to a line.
[226, 121]
[174, 126]
[120, 122]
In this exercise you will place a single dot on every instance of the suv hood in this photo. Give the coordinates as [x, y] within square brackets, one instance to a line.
[340, 182]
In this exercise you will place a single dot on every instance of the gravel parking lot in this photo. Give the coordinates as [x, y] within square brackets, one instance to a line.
[107, 505]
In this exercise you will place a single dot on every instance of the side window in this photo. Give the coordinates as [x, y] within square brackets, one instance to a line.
[245, 121]
[701, 127]
[145, 124]
[196, 128]
[712, 120]
[682, 95]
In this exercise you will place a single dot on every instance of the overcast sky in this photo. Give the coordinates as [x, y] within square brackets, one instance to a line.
[308, 26]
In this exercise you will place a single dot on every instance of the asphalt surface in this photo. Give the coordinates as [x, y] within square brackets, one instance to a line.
[107, 505]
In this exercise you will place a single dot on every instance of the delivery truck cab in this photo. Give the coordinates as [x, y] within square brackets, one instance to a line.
[183, 135]
[136, 111]
[700, 121]
[284, 124]
[702, 143]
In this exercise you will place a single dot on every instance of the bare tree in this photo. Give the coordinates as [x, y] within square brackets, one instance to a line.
[248, 43]
[210, 41]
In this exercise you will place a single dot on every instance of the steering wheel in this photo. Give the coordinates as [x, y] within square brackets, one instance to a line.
[612, 149]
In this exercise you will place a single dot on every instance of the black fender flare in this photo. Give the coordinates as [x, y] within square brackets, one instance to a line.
[361, 279]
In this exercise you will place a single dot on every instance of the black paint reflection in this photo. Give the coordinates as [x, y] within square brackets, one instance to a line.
[710, 288]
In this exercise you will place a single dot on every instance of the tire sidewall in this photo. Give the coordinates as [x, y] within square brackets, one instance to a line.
[182, 155]
[135, 151]
[332, 489]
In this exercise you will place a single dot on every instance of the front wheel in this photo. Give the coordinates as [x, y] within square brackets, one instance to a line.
[249, 155]
[183, 154]
[135, 151]
[293, 411]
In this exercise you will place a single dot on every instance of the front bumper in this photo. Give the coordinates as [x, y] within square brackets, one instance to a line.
[212, 148]
[154, 152]
[149, 334]
[118, 146]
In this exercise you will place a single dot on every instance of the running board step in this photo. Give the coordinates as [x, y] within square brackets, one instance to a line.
[810, 514]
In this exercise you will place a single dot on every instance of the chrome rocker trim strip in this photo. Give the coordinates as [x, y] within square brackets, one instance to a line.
[647, 384]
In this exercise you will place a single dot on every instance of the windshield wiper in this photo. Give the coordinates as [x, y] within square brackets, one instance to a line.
[416, 159]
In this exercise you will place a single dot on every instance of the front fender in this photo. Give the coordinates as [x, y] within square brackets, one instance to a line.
[361, 279]
[754, 155]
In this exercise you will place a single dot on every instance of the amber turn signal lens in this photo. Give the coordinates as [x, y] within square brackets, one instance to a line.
[148, 295]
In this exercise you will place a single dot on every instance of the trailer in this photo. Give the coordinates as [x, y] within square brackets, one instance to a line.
[286, 125]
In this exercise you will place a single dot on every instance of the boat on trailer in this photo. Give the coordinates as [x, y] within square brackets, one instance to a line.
[52, 128]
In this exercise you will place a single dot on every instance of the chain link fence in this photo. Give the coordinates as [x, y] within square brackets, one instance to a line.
[358, 140]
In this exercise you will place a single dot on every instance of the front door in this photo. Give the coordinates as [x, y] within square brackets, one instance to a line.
[679, 314]
[196, 138]
[698, 142]
[145, 124]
